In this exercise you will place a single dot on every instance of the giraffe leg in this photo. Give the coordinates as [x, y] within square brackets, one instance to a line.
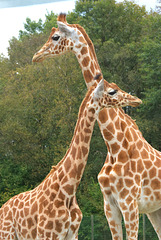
[114, 217]
[111, 209]
[76, 218]
[155, 219]
[130, 214]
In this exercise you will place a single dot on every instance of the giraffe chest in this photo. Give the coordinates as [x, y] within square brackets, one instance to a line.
[145, 205]
[150, 197]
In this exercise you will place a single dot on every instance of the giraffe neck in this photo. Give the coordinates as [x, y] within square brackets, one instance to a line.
[87, 59]
[70, 169]
[120, 132]
[75, 161]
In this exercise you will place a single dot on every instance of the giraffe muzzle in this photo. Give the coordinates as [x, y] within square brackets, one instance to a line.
[136, 102]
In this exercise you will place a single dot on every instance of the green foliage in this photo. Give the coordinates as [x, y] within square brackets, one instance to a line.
[51, 20]
[106, 20]
[31, 27]
[39, 102]
[96, 226]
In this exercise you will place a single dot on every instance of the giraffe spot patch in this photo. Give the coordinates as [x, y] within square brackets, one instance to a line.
[157, 195]
[107, 135]
[73, 152]
[34, 208]
[155, 184]
[140, 166]
[80, 168]
[77, 139]
[115, 148]
[133, 166]
[88, 76]
[86, 139]
[120, 184]
[55, 186]
[129, 182]
[122, 156]
[84, 151]
[125, 143]
[108, 169]
[81, 39]
[69, 189]
[117, 124]
[67, 164]
[34, 233]
[112, 113]
[117, 168]
[123, 193]
[104, 181]
[147, 164]
[92, 67]
[84, 50]
[30, 223]
[24, 232]
[123, 125]
[58, 203]
[85, 61]
[79, 153]
[152, 172]
[111, 128]
[49, 225]
[144, 154]
[147, 191]
[120, 136]
[157, 163]
[128, 135]
[127, 216]
[135, 137]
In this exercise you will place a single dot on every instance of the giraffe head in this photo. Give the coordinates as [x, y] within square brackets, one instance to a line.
[110, 95]
[61, 40]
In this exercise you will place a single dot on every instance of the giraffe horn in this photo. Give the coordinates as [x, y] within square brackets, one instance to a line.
[97, 76]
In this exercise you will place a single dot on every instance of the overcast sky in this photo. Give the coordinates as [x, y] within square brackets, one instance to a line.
[12, 19]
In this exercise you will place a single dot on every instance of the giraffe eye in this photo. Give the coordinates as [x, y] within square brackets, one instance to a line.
[55, 37]
[112, 92]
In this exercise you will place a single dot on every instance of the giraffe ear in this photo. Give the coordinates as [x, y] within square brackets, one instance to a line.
[99, 90]
[65, 29]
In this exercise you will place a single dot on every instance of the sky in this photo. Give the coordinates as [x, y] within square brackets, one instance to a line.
[12, 19]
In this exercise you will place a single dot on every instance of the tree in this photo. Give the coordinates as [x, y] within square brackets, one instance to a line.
[105, 20]
[31, 27]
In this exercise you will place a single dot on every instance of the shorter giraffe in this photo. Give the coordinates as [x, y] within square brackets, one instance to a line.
[50, 211]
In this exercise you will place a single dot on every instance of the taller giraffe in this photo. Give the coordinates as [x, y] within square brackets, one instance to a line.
[47, 212]
[130, 179]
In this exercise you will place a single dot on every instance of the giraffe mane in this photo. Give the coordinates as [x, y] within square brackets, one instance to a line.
[88, 40]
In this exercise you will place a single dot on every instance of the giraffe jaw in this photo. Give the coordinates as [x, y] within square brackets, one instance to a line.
[40, 56]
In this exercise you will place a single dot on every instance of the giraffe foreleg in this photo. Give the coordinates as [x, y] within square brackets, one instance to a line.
[155, 219]
[111, 209]
[76, 218]
[130, 214]
[114, 217]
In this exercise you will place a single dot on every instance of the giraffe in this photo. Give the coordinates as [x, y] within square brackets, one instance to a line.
[130, 179]
[47, 211]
